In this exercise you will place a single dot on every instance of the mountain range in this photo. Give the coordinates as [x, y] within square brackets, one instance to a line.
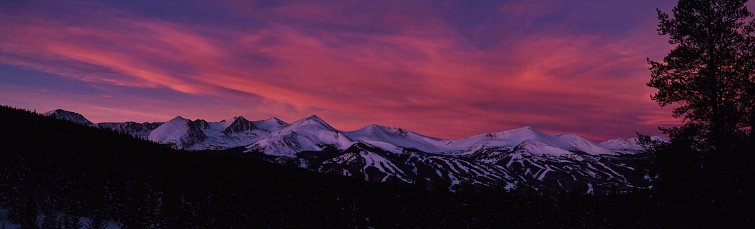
[523, 157]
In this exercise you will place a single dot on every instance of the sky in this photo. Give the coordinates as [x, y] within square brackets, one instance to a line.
[449, 69]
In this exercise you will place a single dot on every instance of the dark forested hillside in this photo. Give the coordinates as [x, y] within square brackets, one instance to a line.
[49, 165]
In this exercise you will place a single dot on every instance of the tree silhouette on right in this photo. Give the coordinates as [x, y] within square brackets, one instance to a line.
[709, 72]
[708, 79]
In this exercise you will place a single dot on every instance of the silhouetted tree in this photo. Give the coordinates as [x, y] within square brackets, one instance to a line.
[708, 77]
[708, 73]
[51, 220]
[28, 212]
[98, 221]
[69, 221]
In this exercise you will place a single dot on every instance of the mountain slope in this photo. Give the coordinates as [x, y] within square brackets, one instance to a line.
[519, 157]
[270, 124]
[389, 138]
[307, 134]
[138, 130]
[630, 145]
[199, 134]
[527, 138]
[68, 116]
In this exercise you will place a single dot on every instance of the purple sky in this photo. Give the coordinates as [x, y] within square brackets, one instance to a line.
[449, 69]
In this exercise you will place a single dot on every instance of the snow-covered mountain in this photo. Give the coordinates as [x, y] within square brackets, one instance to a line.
[68, 116]
[394, 139]
[199, 134]
[523, 156]
[139, 130]
[630, 145]
[307, 134]
[180, 132]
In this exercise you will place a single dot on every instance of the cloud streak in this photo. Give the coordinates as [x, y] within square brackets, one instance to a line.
[450, 70]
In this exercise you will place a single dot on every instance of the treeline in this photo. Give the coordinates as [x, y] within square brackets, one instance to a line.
[705, 187]
[49, 165]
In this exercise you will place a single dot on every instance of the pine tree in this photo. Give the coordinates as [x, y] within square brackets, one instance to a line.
[71, 221]
[708, 77]
[708, 73]
[98, 221]
[28, 213]
[51, 220]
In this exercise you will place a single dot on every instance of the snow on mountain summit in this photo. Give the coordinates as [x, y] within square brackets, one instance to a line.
[269, 124]
[180, 132]
[529, 140]
[239, 124]
[629, 145]
[526, 138]
[308, 122]
[68, 116]
[138, 130]
[504, 139]
[389, 137]
[582, 144]
[306, 134]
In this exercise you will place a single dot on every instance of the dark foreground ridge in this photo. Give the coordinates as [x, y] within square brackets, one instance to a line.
[49, 165]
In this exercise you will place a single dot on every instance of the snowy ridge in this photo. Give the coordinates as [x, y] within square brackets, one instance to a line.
[68, 116]
[238, 125]
[629, 145]
[393, 136]
[525, 138]
[179, 132]
[307, 134]
[507, 159]
[269, 124]
[580, 143]
[310, 133]
[138, 130]
[202, 135]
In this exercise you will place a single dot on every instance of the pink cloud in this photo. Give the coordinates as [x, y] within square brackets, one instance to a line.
[419, 75]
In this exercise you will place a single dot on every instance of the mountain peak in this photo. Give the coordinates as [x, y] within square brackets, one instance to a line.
[390, 138]
[371, 128]
[239, 124]
[178, 118]
[628, 144]
[237, 118]
[273, 121]
[58, 111]
[526, 132]
[525, 128]
[312, 120]
[180, 132]
[376, 127]
[313, 117]
[68, 116]
[270, 124]
[55, 111]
